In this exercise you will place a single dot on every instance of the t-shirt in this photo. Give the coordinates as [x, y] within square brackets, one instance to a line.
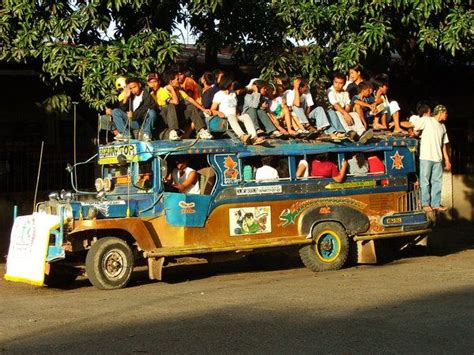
[432, 139]
[375, 165]
[227, 102]
[276, 106]
[324, 169]
[191, 88]
[304, 163]
[338, 97]
[306, 99]
[163, 96]
[208, 95]
[192, 189]
[137, 100]
[355, 169]
[368, 100]
[266, 173]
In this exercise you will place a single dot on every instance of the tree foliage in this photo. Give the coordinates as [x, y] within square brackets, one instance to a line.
[69, 39]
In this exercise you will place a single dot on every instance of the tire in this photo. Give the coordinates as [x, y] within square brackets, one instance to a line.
[329, 250]
[109, 263]
[60, 276]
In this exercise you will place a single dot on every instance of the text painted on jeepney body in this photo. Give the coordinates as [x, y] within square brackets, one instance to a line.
[109, 154]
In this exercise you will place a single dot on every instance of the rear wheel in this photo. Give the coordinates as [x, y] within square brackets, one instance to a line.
[329, 250]
[109, 263]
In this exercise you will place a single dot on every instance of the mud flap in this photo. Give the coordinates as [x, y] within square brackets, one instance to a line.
[366, 252]
[155, 267]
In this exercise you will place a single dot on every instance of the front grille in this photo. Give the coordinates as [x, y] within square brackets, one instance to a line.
[409, 202]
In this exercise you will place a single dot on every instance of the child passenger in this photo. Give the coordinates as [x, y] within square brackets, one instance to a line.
[358, 165]
[224, 105]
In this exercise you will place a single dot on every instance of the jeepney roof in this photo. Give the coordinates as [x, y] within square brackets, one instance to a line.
[142, 151]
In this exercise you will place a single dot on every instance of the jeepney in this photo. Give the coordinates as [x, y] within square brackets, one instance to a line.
[133, 217]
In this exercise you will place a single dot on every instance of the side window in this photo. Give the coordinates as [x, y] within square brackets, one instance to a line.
[365, 163]
[265, 168]
[376, 161]
[145, 174]
[322, 166]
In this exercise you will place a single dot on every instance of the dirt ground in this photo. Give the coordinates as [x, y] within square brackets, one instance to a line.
[418, 302]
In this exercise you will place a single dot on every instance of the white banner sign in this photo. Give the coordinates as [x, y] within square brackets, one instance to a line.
[28, 248]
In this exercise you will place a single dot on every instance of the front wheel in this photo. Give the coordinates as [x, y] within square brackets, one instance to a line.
[109, 263]
[329, 250]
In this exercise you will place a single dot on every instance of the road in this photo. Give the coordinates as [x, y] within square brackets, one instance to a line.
[417, 303]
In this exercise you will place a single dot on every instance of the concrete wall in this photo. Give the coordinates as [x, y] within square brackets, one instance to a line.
[458, 196]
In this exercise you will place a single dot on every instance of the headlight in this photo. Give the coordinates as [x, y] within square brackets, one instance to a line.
[53, 196]
[68, 215]
[99, 184]
[43, 208]
[107, 184]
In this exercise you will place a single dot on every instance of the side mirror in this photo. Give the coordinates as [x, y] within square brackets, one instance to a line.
[163, 168]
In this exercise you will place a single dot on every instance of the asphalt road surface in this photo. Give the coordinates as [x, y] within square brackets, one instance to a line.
[416, 303]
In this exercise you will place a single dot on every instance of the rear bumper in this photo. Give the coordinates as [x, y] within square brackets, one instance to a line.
[399, 234]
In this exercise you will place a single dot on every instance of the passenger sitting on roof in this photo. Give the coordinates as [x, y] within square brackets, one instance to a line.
[339, 99]
[176, 106]
[391, 108]
[224, 105]
[322, 167]
[188, 84]
[256, 105]
[184, 178]
[300, 101]
[136, 113]
[363, 103]
[267, 172]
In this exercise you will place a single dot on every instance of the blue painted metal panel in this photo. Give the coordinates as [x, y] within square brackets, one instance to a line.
[186, 210]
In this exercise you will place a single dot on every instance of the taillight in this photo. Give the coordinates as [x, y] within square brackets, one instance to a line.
[385, 182]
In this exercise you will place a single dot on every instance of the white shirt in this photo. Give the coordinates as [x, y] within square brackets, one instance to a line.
[137, 100]
[306, 99]
[192, 189]
[227, 102]
[432, 139]
[266, 173]
[304, 163]
[338, 97]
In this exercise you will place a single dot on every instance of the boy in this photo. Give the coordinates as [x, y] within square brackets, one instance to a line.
[137, 109]
[433, 150]
[391, 108]
[339, 99]
[363, 102]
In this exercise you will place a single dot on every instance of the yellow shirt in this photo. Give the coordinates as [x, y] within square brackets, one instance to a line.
[163, 96]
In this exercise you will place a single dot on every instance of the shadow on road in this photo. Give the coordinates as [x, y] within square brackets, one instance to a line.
[440, 323]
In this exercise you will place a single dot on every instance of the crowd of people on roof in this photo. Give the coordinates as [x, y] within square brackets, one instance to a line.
[177, 106]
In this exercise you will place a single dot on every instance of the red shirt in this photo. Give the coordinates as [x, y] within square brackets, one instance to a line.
[376, 165]
[324, 169]
[191, 88]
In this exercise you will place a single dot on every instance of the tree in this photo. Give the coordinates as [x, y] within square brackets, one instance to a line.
[68, 40]
[69, 43]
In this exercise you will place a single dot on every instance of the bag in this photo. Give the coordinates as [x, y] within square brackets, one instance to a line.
[216, 124]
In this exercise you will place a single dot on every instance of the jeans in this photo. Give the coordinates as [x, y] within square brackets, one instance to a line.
[299, 112]
[431, 178]
[322, 122]
[121, 121]
[335, 123]
[357, 125]
[260, 118]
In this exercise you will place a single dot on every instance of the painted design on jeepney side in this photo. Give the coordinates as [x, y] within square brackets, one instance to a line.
[288, 216]
[231, 173]
[397, 160]
[375, 225]
[250, 220]
[187, 207]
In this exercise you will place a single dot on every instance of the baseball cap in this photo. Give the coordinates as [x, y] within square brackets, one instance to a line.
[439, 108]
[152, 76]
[120, 82]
